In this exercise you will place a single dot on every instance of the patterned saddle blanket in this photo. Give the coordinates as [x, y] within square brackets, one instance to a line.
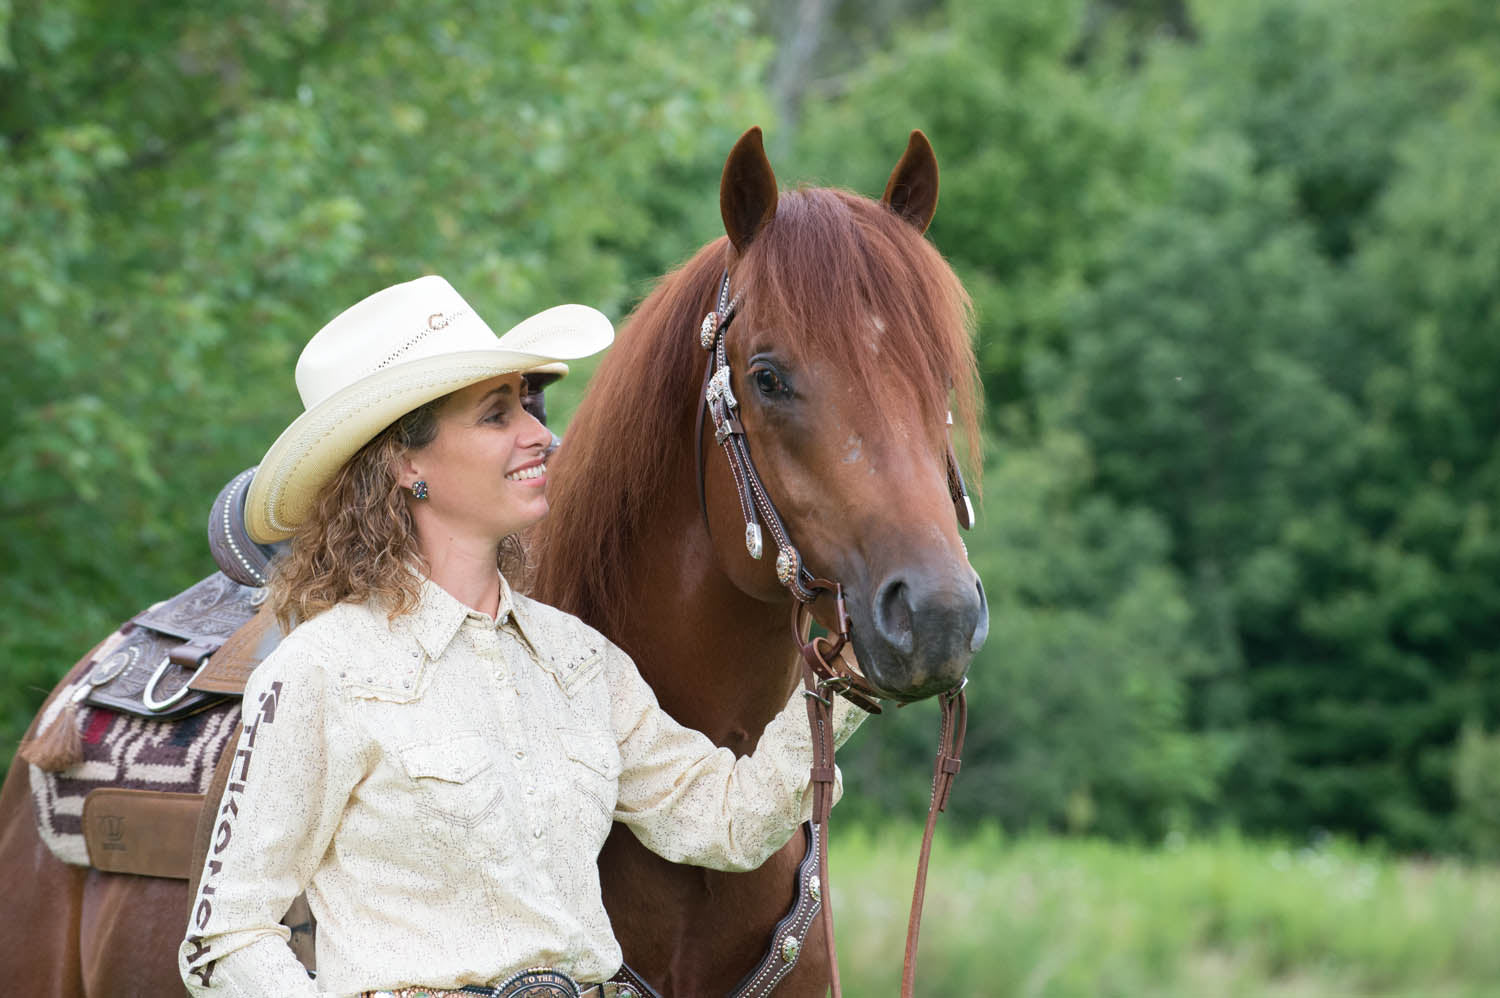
[147, 744]
[123, 751]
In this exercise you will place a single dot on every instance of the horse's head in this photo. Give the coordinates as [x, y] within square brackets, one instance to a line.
[848, 354]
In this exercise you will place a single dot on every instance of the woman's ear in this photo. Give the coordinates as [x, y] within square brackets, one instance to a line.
[407, 473]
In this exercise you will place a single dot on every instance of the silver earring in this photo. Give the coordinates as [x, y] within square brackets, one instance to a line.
[419, 489]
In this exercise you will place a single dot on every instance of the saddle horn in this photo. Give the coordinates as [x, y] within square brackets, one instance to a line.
[237, 556]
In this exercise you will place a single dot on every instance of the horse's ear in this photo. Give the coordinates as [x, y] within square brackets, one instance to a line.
[913, 188]
[747, 191]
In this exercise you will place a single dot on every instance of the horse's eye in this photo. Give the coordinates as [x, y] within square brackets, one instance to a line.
[768, 381]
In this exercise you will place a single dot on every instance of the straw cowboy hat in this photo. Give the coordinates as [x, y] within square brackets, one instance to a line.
[382, 358]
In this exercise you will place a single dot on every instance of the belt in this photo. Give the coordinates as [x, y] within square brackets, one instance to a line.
[538, 982]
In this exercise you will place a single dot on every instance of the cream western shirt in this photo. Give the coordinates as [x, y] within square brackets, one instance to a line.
[440, 786]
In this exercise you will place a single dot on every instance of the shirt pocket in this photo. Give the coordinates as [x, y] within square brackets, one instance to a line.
[456, 777]
[593, 764]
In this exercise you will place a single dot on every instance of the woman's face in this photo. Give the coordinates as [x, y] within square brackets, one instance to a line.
[485, 471]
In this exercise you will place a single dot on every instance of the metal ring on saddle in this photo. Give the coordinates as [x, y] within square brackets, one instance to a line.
[148, 695]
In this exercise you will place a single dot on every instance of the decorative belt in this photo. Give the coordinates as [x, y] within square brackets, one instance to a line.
[538, 982]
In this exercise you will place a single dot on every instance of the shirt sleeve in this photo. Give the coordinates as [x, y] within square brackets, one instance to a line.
[291, 776]
[690, 801]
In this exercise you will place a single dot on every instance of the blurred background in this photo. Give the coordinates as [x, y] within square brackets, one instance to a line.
[1235, 270]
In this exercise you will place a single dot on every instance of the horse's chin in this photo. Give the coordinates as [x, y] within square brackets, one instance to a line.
[891, 683]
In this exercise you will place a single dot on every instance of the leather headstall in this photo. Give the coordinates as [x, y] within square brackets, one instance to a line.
[824, 669]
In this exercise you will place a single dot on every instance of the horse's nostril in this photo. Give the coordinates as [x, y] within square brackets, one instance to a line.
[893, 616]
[982, 626]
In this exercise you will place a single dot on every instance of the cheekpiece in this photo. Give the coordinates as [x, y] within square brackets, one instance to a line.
[708, 331]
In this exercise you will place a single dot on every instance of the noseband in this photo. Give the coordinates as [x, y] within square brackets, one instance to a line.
[824, 669]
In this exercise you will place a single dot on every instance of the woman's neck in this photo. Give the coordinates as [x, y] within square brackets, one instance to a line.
[466, 569]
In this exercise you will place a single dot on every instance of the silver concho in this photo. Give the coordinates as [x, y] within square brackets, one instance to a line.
[718, 388]
[752, 540]
[707, 330]
[814, 888]
[112, 666]
[786, 566]
[790, 947]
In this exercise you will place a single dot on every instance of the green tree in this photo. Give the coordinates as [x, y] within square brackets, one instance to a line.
[188, 191]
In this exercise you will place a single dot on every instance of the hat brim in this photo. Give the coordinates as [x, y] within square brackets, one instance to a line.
[317, 443]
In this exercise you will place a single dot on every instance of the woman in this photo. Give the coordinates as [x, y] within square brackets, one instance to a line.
[432, 757]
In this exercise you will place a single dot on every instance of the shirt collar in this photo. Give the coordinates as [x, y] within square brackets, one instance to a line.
[439, 615]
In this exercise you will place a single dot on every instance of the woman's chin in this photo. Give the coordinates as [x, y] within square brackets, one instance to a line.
[524, 519]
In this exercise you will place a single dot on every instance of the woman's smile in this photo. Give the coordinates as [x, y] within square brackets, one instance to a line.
[531, 472]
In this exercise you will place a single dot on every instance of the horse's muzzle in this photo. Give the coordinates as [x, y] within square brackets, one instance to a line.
[921, 634]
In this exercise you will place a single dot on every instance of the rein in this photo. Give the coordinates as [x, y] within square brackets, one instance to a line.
[824, 671]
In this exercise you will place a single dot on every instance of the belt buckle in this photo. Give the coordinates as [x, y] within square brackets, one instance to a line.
[538, 982]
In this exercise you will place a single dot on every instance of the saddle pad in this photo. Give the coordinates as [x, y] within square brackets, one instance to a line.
[146, 832]
[127, 752]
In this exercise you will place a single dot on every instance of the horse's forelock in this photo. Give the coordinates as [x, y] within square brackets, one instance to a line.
[816, 279]
[831, 267]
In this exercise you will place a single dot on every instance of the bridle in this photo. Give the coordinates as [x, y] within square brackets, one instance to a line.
[824, 669]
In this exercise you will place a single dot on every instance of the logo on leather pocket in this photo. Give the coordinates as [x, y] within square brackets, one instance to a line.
[113, 826]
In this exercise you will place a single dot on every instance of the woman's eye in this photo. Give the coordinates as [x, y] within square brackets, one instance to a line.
[768, 381]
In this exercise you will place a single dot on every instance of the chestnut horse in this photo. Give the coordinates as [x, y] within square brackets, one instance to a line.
[850, 348]
[849, 345]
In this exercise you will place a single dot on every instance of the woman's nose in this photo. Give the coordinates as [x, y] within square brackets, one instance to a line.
[536, 433]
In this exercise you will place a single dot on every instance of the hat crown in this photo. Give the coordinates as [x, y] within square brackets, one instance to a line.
[406, 322]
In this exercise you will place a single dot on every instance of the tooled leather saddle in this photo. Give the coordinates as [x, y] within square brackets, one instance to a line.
[195, 650]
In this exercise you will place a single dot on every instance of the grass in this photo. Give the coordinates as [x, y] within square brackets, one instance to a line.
[1057, 918]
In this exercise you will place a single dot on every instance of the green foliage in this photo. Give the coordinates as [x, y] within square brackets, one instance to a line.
[1476, 781]
[1056, 918]
[188, 192]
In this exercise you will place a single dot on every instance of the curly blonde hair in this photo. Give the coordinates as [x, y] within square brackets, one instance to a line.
[359, 542]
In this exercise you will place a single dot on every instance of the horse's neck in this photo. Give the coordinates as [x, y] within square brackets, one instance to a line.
[719, 660]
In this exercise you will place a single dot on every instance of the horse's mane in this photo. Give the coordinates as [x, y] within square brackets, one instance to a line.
[815, 275]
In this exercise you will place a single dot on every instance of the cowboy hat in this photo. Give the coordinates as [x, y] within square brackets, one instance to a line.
[383, 357]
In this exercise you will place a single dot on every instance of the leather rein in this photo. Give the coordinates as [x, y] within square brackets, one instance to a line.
[824, 670]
